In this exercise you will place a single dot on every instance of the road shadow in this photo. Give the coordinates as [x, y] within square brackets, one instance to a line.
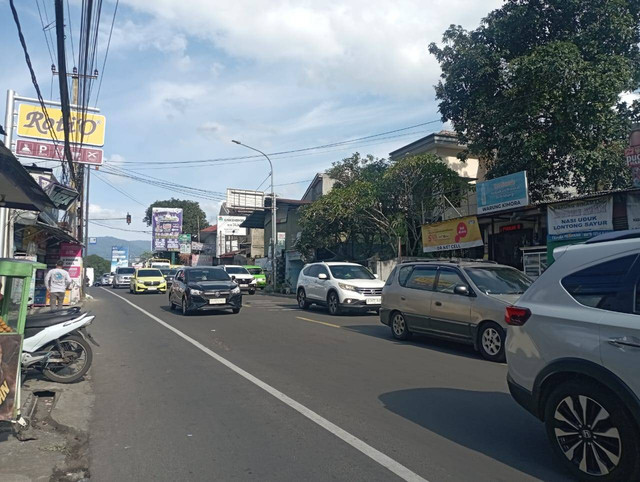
[325, 310]
[487, 422]
[195, 314]
[422, 341]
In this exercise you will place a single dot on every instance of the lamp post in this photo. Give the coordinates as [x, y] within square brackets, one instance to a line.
[273, 216]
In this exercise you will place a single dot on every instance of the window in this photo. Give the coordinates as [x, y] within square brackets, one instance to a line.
[348, 271]
[321, 270]
[255, 270]
[307, 271]
[391, 276]
[207, 274]
[448, 280]
[422, 278]
[236, 270]
[180, 276]
[603, 285]
[126, 270]
[403, 274]
[313, 271]
[498, 280]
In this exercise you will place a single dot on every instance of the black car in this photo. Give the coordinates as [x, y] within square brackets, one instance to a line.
[204, 288]
[169, 274]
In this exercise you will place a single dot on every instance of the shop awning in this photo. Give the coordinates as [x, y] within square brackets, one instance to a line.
[254, 220]
[56, 231]
[18, 190]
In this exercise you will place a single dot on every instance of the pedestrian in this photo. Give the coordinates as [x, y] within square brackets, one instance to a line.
[57, 282]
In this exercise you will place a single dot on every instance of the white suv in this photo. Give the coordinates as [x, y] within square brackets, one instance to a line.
[242, 277]
[573, 353]
[339, 286]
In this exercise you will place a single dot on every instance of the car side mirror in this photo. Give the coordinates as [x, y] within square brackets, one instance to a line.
[376, 276]
[461, 290]
[322, 276]
[233, 278]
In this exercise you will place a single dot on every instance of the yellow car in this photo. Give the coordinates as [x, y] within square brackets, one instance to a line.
[148, 280]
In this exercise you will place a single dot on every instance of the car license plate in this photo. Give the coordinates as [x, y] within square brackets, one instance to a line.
[374, 300]
[217, 301]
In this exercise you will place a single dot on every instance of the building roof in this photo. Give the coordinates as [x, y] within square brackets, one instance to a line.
[281, 201]
[210, 229]
[425, 143]
[254, 220]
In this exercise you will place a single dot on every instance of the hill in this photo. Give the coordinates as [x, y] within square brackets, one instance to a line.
[103, 247]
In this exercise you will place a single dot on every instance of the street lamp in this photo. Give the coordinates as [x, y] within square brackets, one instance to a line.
[273, 215]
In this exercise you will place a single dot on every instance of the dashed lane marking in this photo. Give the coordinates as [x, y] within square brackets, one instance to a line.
[374, 454]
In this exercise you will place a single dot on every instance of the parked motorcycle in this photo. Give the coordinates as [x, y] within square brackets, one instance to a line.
[57, 344]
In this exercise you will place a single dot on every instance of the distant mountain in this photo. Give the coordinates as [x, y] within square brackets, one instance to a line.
[103, 247]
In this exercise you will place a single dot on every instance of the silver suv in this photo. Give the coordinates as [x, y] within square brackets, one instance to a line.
[462, 301]
[573, 351]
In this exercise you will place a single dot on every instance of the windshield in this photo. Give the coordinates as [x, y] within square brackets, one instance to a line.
[207, 274]
[255, 270]
[169, 272]
[499, 280]
[351, 272]
[236, 270]
[126, 270]
[146, 273]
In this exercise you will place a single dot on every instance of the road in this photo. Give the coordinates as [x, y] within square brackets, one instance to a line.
[277, 393]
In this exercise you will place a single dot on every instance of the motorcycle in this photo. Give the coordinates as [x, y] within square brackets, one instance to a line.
[57, 344]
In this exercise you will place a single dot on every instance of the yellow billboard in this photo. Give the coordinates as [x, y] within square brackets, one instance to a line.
[452, 234]
[33, 123]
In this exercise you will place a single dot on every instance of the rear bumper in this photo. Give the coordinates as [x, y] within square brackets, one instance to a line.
[523, 396]
[384, 316]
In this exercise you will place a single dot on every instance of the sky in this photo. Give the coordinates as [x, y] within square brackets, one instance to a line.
[184, 77]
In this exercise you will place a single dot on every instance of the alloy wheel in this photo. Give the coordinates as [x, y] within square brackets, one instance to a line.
[491, 341]
[586, 435]
[301, 300]
[184, 306]
[398, 325]
[333, 304]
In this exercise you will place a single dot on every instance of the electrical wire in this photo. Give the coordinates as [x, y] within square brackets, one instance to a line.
[106, 54]
[119, 228]
[95, 174]
[44, 32]
[73, 52]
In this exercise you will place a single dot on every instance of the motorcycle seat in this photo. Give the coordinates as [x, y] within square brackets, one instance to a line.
[42, 320]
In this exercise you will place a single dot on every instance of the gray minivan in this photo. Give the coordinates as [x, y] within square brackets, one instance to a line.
[462, 301]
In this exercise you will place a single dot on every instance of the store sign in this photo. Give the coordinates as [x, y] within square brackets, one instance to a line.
[510, 227]
[55, 152]
[229, 227]
[166, 226]
[93, 240]
[195, 246]
[579, 219]
[632, 155]
[85, 128]
[185, 243]
[457, 233]
[71, 256]
[62, 196]
[633, 211]
[501, 193]
[282, 237]
[119, 257]
[9, 364]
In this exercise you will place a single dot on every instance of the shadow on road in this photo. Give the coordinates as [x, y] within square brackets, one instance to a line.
[487, 422]
[197, 313]
[422, 341]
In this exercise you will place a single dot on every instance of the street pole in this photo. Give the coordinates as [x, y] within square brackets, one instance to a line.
[273, 216]
[6, 240]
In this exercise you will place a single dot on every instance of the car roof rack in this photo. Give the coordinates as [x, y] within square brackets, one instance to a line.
[449, 260]
[615, 236]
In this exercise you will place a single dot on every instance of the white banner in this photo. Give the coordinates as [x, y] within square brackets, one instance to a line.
[633, 211]
[580, 218]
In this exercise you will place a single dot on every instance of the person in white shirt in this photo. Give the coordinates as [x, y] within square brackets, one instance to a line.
[57, 282]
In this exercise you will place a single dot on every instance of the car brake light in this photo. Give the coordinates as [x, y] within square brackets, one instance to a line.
[516, 316]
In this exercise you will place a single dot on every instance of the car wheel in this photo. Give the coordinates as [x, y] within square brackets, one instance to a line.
[235, 311]
[302, 300]
[491, 341]
[172, 305]
[592, 433]
[399, 328]
[185, 308]
[252, 292]
[333, 302]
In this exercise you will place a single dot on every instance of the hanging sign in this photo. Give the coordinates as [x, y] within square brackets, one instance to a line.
[579, 219]
[451, 234]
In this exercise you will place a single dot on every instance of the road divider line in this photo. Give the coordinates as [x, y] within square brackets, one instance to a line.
[371, 452]
[319, 322]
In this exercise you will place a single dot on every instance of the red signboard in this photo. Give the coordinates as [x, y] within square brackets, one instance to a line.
[48, 150]
[510, 227]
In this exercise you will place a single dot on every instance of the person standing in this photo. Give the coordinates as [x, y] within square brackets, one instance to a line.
[57, 282]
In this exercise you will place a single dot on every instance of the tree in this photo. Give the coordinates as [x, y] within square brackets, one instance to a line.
[98, 263]
[536, 87]
[191, 214]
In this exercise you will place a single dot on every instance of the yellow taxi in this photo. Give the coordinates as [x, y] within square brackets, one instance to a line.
[148, 280]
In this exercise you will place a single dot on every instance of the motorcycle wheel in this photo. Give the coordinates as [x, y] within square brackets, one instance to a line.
[80, 354]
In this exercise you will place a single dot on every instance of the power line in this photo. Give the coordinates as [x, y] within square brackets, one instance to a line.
[106, 54]
[44, 32]
[119, 228]
[290, 183]
[119, 190]
[73, 51]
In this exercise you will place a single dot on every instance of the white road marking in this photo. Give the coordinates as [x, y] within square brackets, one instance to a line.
[374, 454]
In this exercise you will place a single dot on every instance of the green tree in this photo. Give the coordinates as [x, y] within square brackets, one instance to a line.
[191, 214]
[536, 87]
[98, 263]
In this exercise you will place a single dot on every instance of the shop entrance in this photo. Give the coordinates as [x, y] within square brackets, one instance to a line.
[504, 248]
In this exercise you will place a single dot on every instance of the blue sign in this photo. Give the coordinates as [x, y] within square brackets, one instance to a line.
[502, 193]
[93, 240]
[119, 257]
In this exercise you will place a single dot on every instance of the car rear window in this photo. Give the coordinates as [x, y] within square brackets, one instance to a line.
[126, 270]
[422, 278]
[604, 285]
[403, 274]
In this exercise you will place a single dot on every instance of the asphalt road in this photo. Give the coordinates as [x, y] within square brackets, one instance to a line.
[276, 393]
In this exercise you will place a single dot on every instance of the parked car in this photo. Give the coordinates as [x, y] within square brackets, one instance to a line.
[204, 288]
[258, 274]
[339, 286]
[148, 280]
[240, 275]
[461, 301]
[122, 277]
[169, 274]
[573, 352]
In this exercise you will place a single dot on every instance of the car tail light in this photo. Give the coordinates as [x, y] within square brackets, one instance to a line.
[516, 316]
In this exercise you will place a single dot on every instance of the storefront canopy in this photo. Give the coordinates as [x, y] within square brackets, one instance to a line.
[18, 190]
